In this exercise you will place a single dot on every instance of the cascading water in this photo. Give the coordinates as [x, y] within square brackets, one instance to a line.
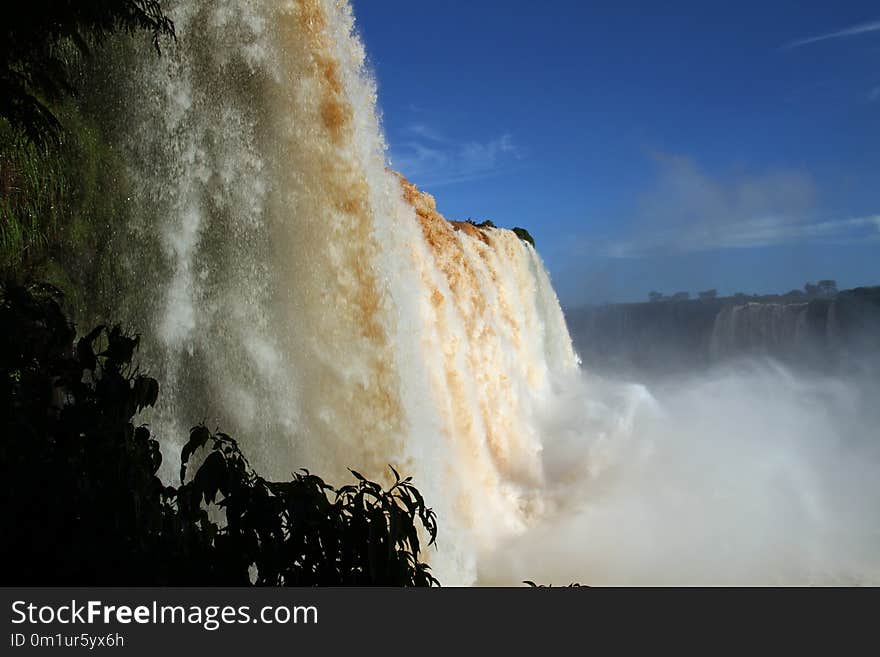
[764, 328]
[309, 301]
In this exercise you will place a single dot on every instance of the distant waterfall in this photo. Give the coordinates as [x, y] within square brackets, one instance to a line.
[771, 329]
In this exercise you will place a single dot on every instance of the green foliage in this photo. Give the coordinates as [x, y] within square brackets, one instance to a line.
[62, 190]
[60, 205]
[521, 233]
[303, 532]
[524, 235]
[84, 505]
[39, 41]
[82, 502]
[33, 193]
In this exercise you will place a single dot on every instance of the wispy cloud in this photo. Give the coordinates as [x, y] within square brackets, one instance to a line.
[874, 94]
[853, 30]
[752, 233]
[430, 157]
[688, 210]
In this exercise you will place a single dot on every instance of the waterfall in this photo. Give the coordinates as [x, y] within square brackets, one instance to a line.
[759, 328]
[311, 302]
[297, 294]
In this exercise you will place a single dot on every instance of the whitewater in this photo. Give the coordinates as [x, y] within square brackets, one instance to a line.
[302, 296]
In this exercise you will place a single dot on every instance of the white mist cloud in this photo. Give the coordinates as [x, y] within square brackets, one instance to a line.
[433, 159]
[743, 475]
[691, 210]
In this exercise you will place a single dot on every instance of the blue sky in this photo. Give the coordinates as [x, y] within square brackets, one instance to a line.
[676, 147]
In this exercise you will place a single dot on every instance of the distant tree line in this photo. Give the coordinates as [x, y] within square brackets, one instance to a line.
[655, 296]
[824, 289]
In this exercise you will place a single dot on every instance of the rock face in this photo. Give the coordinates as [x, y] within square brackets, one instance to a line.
[648, 339]
[435, 226]
[640, 339]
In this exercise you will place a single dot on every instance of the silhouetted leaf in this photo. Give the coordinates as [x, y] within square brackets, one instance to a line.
[198, 436]
[209, 477]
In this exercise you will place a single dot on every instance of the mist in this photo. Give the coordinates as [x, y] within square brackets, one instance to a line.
[745, 473]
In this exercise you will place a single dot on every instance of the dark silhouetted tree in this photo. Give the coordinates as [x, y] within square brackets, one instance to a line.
[827, 288]
[83, 504]
[481, 224]
[524, 235]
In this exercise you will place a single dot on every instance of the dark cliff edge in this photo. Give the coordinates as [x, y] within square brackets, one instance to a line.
[646, 340]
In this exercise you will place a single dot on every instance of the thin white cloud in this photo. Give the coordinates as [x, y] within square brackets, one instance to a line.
[755, 233]
[689, 210]
[874, 94]
[424, 131]
[854, 30]
[433, 159]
